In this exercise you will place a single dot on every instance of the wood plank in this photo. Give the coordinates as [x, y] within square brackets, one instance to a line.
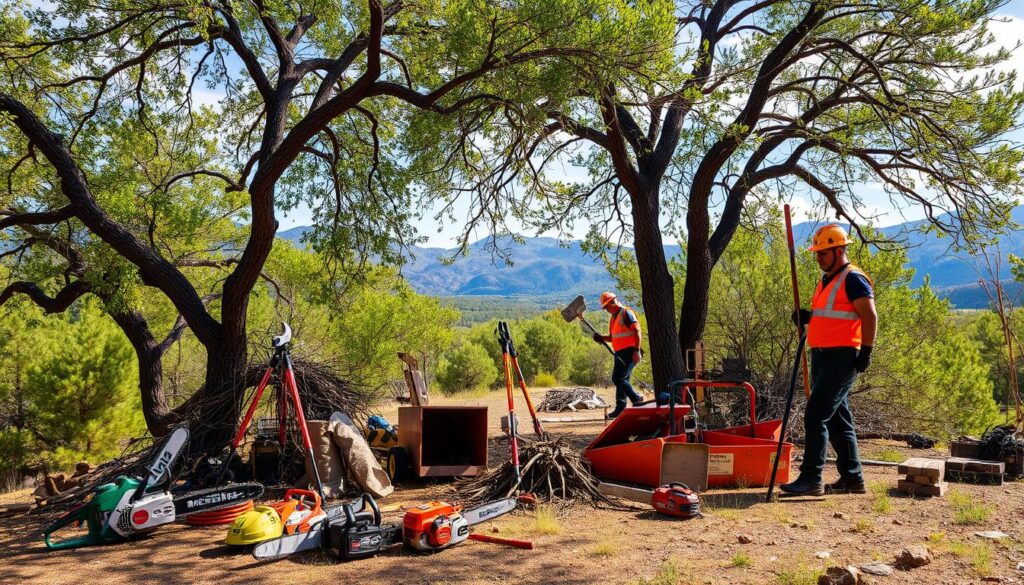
[686, 463]
[979, 465]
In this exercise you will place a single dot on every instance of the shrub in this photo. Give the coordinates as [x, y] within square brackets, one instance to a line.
[467, 367]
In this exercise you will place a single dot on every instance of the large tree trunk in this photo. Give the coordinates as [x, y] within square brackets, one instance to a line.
[657, 285]
[694, 310]
[215, 409]
[149, 353]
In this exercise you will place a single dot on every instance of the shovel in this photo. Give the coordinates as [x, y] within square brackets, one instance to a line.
[574, 311]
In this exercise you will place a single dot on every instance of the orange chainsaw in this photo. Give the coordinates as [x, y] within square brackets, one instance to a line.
[439, 525]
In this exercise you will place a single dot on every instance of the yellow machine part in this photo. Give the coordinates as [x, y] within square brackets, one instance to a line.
[381, 439]
[259, 524]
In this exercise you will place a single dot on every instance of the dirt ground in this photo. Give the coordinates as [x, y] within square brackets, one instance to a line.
[583, 545]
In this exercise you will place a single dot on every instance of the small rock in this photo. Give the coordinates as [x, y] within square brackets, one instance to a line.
[744, 539]
[772, 559]
[839, 576]
[877, 568]
[839, 516]
[897, 522]
[991, 579]
[992, 534]
[495, 529]
[1020, 566]
[913, 556]
[823, 554]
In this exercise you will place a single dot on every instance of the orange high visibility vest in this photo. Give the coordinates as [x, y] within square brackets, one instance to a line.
[834, 321]
[622, 335]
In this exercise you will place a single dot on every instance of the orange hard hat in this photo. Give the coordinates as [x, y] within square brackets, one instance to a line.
[829, 236]
[606, 297]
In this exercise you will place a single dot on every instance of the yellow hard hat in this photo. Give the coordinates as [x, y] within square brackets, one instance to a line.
[606, 297]
[829, 236]
[257, 525]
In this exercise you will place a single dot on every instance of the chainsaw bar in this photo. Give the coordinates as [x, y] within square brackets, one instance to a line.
[489, 511]
[290, 544]
[216, 498]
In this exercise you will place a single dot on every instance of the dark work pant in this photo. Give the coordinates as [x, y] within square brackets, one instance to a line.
[828, 417]
[620, 377]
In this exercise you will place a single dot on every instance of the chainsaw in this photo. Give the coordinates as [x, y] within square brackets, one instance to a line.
[362, 535]
[676, 499]
[131, 506]
[362, 509]
[439, 525]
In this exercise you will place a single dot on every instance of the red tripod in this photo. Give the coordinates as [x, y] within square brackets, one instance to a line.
[287, 389]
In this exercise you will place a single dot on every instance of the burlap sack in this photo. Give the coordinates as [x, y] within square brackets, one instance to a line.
[328, 460]
[360, 464]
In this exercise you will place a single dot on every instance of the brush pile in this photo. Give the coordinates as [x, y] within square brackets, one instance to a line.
[562, 399]
[551, 470]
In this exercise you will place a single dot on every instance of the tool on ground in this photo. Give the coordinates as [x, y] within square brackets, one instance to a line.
[505, 339]
[131, 506]
[524, 544]
[362, 534]
[287, 389]
[297, 512]
[785, 416]
[676, 499]
[513, 442]
[574, 311]
[796, 293]
[438, 525]
[313, 537]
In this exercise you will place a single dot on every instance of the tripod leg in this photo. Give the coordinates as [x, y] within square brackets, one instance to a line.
[293, 391]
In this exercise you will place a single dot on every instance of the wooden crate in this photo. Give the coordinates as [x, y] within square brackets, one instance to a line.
[971, 449]
[444, 441]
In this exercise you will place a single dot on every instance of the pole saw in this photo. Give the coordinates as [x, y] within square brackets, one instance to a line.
[796, 294]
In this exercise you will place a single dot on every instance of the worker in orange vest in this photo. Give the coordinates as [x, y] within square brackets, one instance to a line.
[841, 327]
[624, 335]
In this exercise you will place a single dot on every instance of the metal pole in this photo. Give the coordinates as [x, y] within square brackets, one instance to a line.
[785, 416]
[796, 294]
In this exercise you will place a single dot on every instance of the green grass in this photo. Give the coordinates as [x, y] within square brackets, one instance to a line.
[606, 548]
[979, 555]
[880, 501]
[669, 574]
[863, 526]
[545, 521]
[966, 511]
[741, 560]
[889, 454]
[800, 574]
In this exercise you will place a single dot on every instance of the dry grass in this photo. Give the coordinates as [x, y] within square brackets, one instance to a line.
[605, 548]
[546, 522]
[880, 501]
[670, 573]
[741, 560]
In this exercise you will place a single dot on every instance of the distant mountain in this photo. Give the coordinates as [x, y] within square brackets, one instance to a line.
[545, 268]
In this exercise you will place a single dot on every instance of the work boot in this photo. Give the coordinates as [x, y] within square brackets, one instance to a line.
[614, 413]
[802, 487]
[846, 485]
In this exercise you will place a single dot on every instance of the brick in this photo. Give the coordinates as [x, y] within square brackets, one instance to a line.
[907, 486]
[979, 465]
[934, 468]
[974, 477]
[938, 489]
[924, 479]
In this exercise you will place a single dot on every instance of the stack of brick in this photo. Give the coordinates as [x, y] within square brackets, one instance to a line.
[923, 477]
[975, 471]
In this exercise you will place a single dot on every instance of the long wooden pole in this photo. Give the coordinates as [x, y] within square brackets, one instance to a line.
[796, 295]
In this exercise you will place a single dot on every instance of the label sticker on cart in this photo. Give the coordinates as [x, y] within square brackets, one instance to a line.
[720, 464]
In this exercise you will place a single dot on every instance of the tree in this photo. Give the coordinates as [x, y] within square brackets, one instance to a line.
[467, 367]
[69, 392]
[309, 119]
[761, 96]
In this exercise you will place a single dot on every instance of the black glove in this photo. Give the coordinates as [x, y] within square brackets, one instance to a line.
[804, 316]
[863, 358]
[598, 338]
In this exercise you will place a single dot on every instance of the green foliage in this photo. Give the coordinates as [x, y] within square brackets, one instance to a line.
[68, 388]
[468, 367]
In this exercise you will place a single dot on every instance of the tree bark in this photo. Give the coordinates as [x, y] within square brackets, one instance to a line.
[158, 417]
[657, 285]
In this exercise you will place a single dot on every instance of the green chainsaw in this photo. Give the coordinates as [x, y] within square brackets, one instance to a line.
[131, 506]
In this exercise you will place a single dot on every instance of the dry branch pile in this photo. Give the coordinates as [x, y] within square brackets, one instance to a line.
[551, 470]
[562, 399]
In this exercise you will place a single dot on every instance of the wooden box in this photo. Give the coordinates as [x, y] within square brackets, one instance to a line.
[444, 441]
